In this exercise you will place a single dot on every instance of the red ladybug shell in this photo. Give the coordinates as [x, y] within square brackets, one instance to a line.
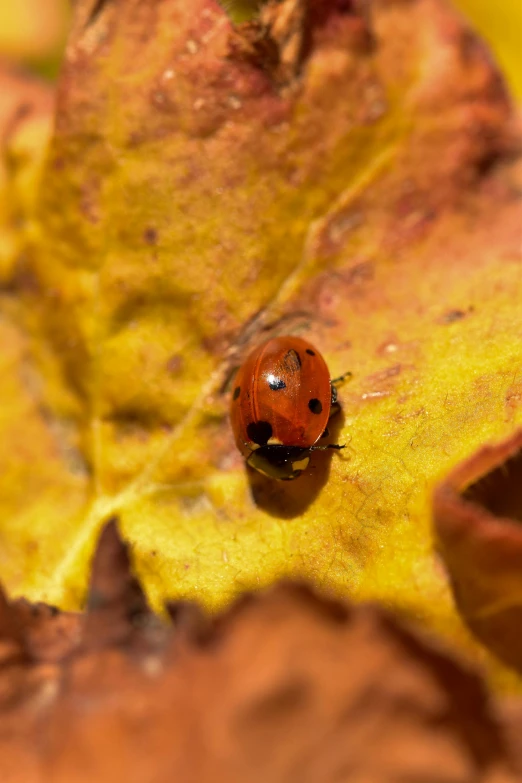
[281, 396]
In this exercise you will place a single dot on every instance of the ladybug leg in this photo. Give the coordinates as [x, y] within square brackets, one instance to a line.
[334, 405]
[324, 448]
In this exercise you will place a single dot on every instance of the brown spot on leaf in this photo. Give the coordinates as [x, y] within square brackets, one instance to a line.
[150, 235]
[160, 99]
[513, 398]
[384, 375]
[175, 364]
[381, 383]
[451, 316]
[330, 290]
[90, 200]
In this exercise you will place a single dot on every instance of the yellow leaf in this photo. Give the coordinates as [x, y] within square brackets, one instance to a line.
[342, 176]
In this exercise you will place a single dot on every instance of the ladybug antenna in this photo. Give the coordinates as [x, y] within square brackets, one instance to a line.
[341, 378]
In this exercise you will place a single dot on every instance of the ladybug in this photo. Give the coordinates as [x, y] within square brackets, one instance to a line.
[281, 402]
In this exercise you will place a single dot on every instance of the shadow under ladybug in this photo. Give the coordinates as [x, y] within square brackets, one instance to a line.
[287, 499]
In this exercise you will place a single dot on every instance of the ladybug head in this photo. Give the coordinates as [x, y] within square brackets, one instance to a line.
[280, 462]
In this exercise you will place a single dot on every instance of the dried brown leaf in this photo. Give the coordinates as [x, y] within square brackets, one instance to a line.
[478, 519]
[287, 686]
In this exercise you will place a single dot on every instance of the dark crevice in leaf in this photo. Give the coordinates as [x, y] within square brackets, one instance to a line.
[95, 12]
[500, 491]
[279, 39]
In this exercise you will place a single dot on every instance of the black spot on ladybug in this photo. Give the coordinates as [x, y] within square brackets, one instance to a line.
[275, 383]
[310, 352]
[259, 432]
[292, 361]
[325, 433]
[237, 392]
[315, 405]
